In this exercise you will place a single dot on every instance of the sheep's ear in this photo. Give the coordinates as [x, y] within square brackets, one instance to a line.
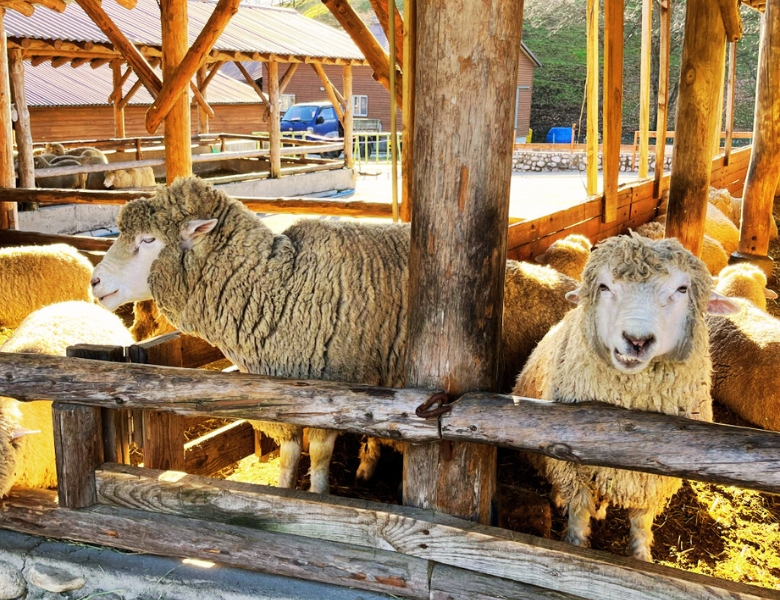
[573, 296]
[540, 259]
[722, 305]
[770, 294]
[196, 229]
[108, 181]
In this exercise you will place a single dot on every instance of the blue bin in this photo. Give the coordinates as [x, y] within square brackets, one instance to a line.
[559, 135]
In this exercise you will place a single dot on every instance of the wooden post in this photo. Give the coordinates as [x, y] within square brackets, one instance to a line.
[407, 109]
[644, 89]
[697, 119]
[22, 126]
[461, 191]
[393, 122]
[730, 93]
[613, 105]
[8, 214]
[203, 116]
[274, 125]
[719, 110]
[764, 170]
[78, 445]
[382, 15]
[349, 110]
[175, 41]
[116, 98]
[662, 115]
[592, 137]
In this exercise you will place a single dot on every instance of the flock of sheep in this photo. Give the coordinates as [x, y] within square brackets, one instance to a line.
[636, 322]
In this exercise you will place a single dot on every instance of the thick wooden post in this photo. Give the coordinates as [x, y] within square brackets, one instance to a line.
[407, 109]
[719, 109]
[613, 105]
[731, 89]
[78, 445]
[349, 111]
[592, 138]
[697, 119]
[274, 125]
[458, 247]
[203, 116]
[24, 140]
[8, 216]
[764, 170]
[662, 115]
[116, 98]
[644, 89]
[175, 42]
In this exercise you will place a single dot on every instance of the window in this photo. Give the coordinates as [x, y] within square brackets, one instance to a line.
[360, 105]
[287, 101]
[328, 114]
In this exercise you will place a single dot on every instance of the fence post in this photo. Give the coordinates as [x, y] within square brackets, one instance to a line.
[78, 444]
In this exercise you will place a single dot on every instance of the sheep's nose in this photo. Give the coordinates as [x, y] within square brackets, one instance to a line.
[94, 281]
[637, 343]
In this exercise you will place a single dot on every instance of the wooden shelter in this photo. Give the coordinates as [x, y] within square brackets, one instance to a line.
[454, 77]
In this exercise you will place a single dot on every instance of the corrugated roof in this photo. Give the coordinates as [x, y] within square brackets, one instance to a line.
[263, 29]
[66, 86]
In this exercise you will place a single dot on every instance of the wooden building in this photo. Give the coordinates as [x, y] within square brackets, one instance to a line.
[525, 89]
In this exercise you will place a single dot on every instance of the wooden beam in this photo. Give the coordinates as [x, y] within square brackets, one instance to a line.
[176, 81]
[393, 119]
[215, 67]
[77, 62]
[55, 5]
[24, 142]
[697, 119]
[407, 109]
[380, 8]
[219, 448]
[252, 83]
[8, 211]
[175, 41]
[287, 77]
[274, 124]
[96, 63]
[644, 89]
[662, 114]
[39, 60]
[732, 19]
[613, 104]
[59, 61]
[116, 97]
[203, 116]
[592, 93]
[330, 90]
[200, 99]
[731, 88]
[366, 42]
[719, 109]
[764, 171]
[20, 6]
[10, 237]
[126, 100]
[349, 109]
[131, 54]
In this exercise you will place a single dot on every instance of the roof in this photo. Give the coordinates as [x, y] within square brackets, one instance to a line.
[65, 86]
[529, 54]
[255, 32]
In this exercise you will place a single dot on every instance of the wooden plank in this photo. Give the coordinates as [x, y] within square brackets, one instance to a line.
[349, 110]
[393, 116]
[8, 210]
[592, 94]
[643, 206]
[449, 583]
[590, 228]
[274, 123]
[219, 448]
[23, 238]
[313, 560]
[22, 126]
[644, 88]
[78, 446]
[414, 532]
[613, 104]
[527, 231]
[407, 109]
[116, 97]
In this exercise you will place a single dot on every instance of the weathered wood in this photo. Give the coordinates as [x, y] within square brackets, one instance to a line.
[764, 170]
[8, 210]
[732, 19]
[393, 119]
[644, 89]
[177, 80]
[407, 109]
[203, 116]
[78, 446]
[592, 95]
[366, 42]
[9, 237]
[219, 448]
[349, 110]
[274, 122]
[253, 84]
[115, 422]
[613, 105]
[719, 109]
[662, 114]
[330, 90]
[731, 88]
[415, 532]
[449, 583]
[25, 168]
[129, 95]
[20, 6]
[696, 121]
[461, 194]
[382, 15]
[131, 54]
[313, 560]
[175, 41]
[116, 98]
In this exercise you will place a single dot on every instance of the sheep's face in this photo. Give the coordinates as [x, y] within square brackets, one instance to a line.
[123, 275]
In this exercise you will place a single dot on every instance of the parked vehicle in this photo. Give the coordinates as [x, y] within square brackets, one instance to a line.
[316, 119]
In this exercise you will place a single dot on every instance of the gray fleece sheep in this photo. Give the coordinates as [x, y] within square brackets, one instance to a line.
[637, 339]
[567, 255]
[322, 300]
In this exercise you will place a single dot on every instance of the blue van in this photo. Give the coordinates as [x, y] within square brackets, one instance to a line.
[317, 118]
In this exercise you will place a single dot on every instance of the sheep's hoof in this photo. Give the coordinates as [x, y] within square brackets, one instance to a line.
[643, 553]
[576, 540]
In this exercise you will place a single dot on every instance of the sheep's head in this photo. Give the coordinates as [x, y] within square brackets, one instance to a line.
[174, 220]
[645, 300]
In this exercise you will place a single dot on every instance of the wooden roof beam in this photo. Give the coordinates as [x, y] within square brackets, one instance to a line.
[380, 8]
[214, 70]
[732, 19]
[128, 4]
[77, 62]
[96, 63]
[288, 75]
[121, 43]
[252, 82]
[175, 85]
[330, 90]
[39, 60]
[19, 6]
[357, 30]
[58, 61]
[55, 5]
[201, 99]
[128, 96]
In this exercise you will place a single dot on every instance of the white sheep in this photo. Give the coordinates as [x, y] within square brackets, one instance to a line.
[567, 255]
[712, 252]
[744, 280]
[732, 208]
[321, 300]
[716, 225]
[637, 339]
[136, 177]
[33, 276]
[148, 321]
[28, 461]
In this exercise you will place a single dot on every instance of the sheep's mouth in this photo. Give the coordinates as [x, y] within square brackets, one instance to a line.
[103, 298]
[628, 363]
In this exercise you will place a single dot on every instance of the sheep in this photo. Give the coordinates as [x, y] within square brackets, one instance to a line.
[129, 178]
[28, 461]
[54, 148]
[33, 276]
[712, 252]
[744, 280]
[73, 181]
[732, 208]
[567, 255]
[637, 339]
[148, 321]
[323, 300]
[716, 225]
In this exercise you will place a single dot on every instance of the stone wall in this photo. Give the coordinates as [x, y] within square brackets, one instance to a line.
[525, 160]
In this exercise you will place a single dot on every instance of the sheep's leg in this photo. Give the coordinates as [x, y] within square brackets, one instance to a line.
[321, 443]
[289, 455]
[581, 507]
[641, 536]
[369, 458]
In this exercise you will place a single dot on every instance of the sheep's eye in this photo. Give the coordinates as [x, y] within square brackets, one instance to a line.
[147, 240]
[683, 289]
[603, 288]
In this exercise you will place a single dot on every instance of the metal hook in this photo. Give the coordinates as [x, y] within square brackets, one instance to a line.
[424, 411]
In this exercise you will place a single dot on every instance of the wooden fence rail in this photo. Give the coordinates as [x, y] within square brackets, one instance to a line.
[589, 433]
